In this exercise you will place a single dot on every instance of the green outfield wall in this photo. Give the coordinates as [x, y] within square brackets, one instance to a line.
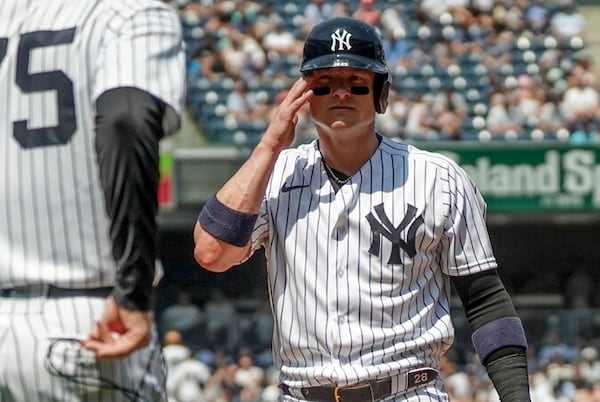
[530, 177]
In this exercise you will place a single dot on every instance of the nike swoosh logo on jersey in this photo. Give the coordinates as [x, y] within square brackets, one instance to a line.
[287, 188]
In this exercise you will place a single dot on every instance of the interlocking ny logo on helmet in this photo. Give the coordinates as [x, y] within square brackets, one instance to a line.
[341, 40]
[348, 42]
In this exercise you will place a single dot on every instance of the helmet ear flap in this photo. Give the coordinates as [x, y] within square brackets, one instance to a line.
[381, 89]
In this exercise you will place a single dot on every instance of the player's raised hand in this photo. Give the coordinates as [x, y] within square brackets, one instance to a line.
[119, 331]
[281, 130]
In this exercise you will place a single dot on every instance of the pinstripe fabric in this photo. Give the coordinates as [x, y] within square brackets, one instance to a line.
[40, 237]
[44, 327]
[350, 303]
[56, 58]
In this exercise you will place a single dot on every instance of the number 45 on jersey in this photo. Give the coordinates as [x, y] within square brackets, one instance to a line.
[54, 80]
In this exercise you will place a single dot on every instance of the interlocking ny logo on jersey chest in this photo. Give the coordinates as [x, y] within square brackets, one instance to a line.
[382, 227]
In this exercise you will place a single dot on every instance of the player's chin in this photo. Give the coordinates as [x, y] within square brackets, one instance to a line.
[339, 124]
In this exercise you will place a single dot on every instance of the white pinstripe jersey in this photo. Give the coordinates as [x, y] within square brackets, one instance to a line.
[56, 59]
[360, 278]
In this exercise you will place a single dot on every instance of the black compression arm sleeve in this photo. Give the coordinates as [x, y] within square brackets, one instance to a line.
[509, 376]
[483, 297]
[485, 300]
[128, 130]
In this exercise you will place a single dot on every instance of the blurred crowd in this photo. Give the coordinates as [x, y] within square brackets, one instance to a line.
[219, 350]
[462, 69]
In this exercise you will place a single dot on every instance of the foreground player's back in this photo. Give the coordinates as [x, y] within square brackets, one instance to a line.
[56, 58]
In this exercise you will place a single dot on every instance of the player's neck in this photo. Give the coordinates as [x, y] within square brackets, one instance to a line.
[348, 157]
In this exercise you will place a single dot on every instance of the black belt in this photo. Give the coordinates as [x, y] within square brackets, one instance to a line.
[367, 392]
[53, 292]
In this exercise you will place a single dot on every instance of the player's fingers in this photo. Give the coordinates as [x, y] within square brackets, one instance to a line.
[298, 94]
[97, 336]
[104, 332]
[287, 110]
[94, 334]
[122, 346]
[305, 97]
[92, 345]
[298, 87]
[115, 350]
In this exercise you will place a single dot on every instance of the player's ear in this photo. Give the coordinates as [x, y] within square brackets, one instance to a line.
[381, 89]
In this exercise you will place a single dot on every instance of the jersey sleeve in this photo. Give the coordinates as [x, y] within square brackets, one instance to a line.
[261, 228]
[138, 52]
[466, 243]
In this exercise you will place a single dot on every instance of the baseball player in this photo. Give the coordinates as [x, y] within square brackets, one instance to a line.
[89, 88]
[363, 238]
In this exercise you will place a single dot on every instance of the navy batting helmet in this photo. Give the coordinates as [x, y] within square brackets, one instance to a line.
[347, 42]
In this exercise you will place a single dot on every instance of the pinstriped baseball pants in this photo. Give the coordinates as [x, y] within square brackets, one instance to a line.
[41, 360]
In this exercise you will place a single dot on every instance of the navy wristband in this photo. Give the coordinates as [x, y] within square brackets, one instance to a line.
[496, 334]
[231, 226]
